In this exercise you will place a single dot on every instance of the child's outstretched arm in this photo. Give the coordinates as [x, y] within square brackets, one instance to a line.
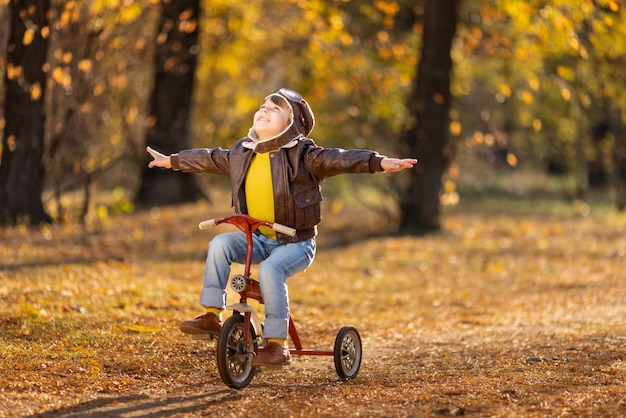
[393, 165]
[159, 160]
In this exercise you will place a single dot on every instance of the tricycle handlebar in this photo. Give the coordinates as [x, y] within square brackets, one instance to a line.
[283, 229]
[207, 224]
[250, 222]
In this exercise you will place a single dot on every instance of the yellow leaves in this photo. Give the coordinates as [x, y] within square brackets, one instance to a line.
[574, 43]
[612, 5]
[131, 115]
[14, 71]
[454, 171]
[140, 329]
[140, 43]
[151, 121]
[62, 76]
[130, 11]
[566, 73]
[526, 97]
[507, 280]
[438, 98]
[495, 266]
[449, 196]
[126, 10]
[98, 89]
[505, 89]
[449, 186]
[337, 206]
[336, 22]
[31, 311]
[170, 64]
[511, 159]
[71, 13]
[102, 212]
[503, 93]
[476, 138]
[387, 7]
[455, 128]
[118, 81]
[29, 35]
[188, 26]
[345, 39]
[85, 65]
[383, 37]
[231, 65]
[534, 84]
[35, 92]
[94, 367]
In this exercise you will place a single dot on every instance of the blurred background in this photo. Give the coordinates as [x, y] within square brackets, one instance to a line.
[512, 97]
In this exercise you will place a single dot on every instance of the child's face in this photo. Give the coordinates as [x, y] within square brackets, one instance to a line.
[271, 119]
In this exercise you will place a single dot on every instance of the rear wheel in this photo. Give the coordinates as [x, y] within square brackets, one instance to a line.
[234, 356]
[348, 352]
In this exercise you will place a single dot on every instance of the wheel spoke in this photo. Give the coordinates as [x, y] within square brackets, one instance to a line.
[234, 354]
[348, 352]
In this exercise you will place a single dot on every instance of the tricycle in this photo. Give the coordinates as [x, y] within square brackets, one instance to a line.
[241, 334]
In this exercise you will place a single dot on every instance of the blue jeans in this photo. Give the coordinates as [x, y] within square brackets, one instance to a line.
[277, 263]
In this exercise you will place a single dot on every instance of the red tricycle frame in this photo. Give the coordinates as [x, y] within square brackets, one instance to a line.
[241, 334]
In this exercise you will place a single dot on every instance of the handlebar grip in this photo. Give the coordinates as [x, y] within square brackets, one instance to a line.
[207, 224]
[284, 229]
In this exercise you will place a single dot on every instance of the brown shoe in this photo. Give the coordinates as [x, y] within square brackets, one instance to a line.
[208, 323]
[272, 355]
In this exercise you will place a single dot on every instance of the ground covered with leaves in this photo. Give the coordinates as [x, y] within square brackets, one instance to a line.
[515, 308]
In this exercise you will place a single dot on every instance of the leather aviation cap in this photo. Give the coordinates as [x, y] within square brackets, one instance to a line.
[304, 119]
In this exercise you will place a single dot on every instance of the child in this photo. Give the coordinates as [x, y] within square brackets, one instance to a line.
[276, 174]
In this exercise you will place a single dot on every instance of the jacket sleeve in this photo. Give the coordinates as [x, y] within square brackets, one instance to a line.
[327, 162]
[202, 160]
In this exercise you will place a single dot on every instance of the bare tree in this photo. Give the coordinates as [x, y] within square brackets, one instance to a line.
[429, 104]
[168, 130]
[618, 170]
[21, 167]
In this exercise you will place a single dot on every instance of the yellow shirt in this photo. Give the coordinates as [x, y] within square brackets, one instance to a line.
[260, 192]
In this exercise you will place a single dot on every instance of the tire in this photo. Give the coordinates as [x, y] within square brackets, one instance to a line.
[348, 353]
[234, 358]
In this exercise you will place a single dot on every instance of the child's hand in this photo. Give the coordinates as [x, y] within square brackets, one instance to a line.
[159, 160]
[393, 165]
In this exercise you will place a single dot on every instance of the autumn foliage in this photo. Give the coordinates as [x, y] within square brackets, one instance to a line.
[516, 308]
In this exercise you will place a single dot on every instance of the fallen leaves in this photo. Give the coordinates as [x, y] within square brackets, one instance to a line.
[501, 314]
[142, 329]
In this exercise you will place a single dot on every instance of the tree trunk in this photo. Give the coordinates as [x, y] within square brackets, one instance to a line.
[429, 105]
[168, 130]
[619, 158]
[21, 166]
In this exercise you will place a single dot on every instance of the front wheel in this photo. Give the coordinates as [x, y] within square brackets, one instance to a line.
[234, 355]
[348, 353]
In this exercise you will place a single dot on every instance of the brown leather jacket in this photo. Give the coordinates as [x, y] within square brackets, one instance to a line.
[297, 173]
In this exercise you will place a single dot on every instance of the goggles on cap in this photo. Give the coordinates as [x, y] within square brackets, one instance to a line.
[292, 95]
[297, 98]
